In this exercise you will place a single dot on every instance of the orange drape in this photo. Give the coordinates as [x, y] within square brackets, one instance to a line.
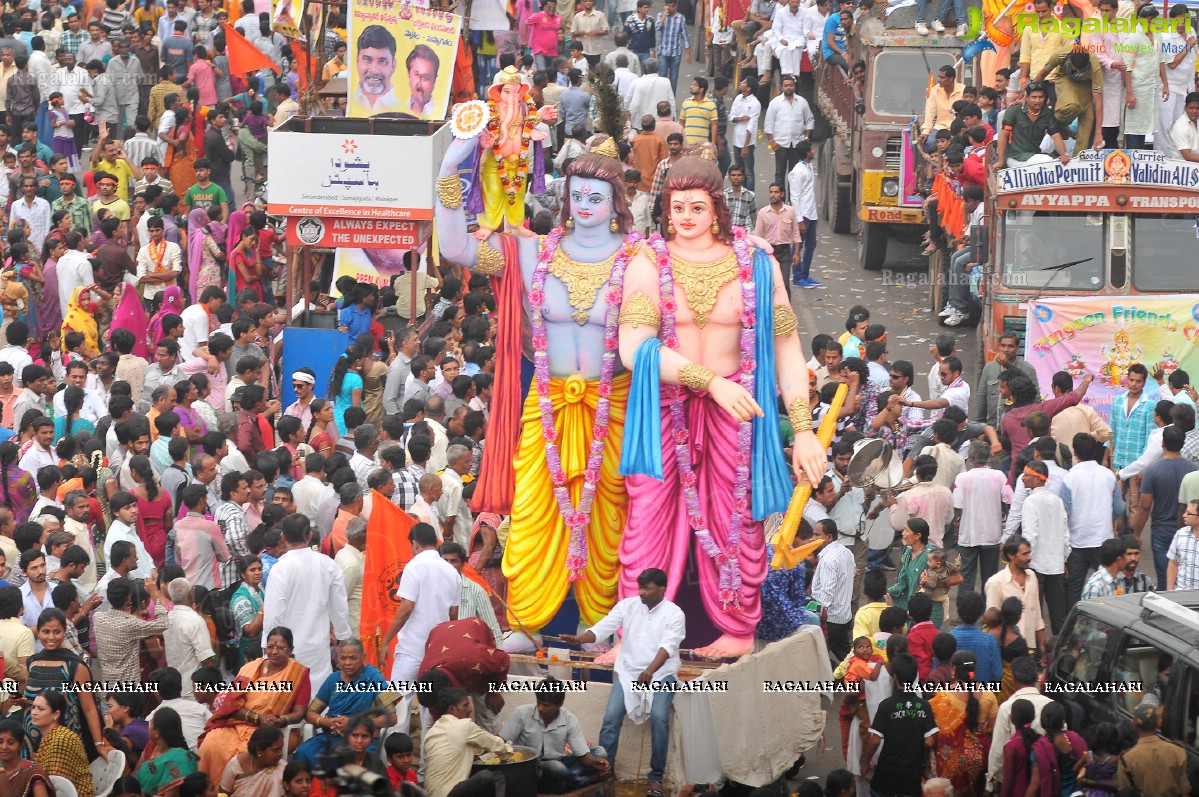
[387, 551]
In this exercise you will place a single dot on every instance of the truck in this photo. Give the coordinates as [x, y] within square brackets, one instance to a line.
[1128, 216]
[866, 161]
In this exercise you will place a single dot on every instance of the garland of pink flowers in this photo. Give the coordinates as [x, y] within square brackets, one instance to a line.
[727, 560]
[577, 519]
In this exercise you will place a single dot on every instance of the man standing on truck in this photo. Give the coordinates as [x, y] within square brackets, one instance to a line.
[938, 108]
[1079, 86]
[789, 120]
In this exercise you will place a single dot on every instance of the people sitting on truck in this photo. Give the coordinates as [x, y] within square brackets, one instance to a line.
[833, 37]
[989, 101]
[972, 115]
[1025, 127]
[1185, 132]
[938, 108]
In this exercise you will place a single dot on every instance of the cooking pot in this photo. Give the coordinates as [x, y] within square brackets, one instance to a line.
[520, 777]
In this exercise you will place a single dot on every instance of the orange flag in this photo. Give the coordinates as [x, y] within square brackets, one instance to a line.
[243, 56]
[474, 576]
[387, 551]
[300, 58]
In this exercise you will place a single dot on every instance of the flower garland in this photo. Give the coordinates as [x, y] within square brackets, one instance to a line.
[727, 560]
[578, 518]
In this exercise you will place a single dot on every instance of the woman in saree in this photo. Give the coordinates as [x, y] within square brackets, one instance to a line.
[49, 311]
[20, 489]
[131, 315]
[196, 221]
[915, 560]
[172, 303]
[237, 714]
[246, 606]
[964, 723]
[486, 554]
[322, 435]
[50, 668]
[245, 269]
[169, 758]
[332, 707]
[25, 778]
[81, 318]
[258, 772]
[61, 750]
[212, 258]
[181, 152]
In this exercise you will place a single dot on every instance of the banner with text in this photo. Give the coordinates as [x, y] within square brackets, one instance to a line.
[401, 59]
[1102, 336]
[357, 233]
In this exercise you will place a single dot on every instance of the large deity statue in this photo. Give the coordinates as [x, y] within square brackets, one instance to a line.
[707, 327]
[555, 466]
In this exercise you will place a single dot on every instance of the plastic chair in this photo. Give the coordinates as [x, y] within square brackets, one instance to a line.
[302, 726]
[64, 787]
[106, 771]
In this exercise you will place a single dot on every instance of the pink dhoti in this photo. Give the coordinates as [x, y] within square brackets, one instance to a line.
[659, 535]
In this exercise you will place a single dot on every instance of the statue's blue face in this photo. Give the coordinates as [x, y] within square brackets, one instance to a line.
[590, 201]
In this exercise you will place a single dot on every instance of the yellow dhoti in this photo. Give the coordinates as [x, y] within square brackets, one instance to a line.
[496, 206]
[535, 555]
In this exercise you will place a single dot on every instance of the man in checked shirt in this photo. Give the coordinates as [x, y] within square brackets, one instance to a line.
[778, 225]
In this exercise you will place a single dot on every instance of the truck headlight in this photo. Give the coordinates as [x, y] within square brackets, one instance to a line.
[891, 187]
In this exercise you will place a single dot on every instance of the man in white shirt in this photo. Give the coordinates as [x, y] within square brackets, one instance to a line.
[743, 116]
[1178, 60]
[93, 406]
[308, 491]
[648, 90]
[76, 86]
[429, 594]
[122, 529]
[455, 510]
[621, 40]
[1047, 529]
[624, 79]
[789, 120]
[801, 189]
[1185, 132]
[979, 496]
[1095, 500]
[956, 392]
[187, 641]
[15, 353]
[196, 323]
[159, 262]
[308, 595]
[192, 714]
[652, 630]
[352, 561]
[39, 454]
[832, 586]
[1025, 673]
[74, 270]
[1017, 581]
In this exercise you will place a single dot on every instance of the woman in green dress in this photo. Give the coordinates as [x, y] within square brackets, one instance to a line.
[170, 760]
[246, 606]
[911, 571]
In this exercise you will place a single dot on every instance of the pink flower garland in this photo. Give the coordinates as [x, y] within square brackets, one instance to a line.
[727, 559]
[577, 519]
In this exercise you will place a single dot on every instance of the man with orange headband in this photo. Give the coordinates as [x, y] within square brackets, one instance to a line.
[1047, 529]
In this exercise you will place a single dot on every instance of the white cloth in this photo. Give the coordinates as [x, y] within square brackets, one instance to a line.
[624, 84]
[193, 716]
[93, 405]
[195, 330]
[187, 643]
[74, 271]
[744, 132]
[833, 583]
[1056, 485]
[35, 458]
[1185, 135]
[801, 190]
[18, 357]
[648, 91]
[1047, 530]
[71, 82]
[980, 493]
[306, 593]
[1091, 493]
[645, 632]
[790, 122]
[434, 587]
[307, 493]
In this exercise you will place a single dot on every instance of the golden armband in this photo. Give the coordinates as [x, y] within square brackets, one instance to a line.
[800, 415]
[696, 377]
[639, 310]
[785, 321]
[491, 260]
[449, 191]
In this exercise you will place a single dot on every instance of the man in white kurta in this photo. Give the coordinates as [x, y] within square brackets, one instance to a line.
[307, 594]
[652, 630]
[429, 595]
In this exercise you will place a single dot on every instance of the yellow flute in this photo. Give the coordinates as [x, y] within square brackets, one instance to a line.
[786, 557]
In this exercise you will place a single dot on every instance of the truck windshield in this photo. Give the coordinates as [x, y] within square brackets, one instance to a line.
[906, 73]
[1160, 245]
[1035, 241]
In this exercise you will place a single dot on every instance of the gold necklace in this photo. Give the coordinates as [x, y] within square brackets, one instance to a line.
[702, 281]
[582, 280]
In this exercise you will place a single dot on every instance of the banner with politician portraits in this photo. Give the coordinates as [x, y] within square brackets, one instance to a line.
[401, 59]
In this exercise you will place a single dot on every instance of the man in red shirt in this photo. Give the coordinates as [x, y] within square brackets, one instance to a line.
[921, 632]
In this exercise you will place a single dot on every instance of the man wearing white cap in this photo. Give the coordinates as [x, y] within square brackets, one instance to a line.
[302, 382]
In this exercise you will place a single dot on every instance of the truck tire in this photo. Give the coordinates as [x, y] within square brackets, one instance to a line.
[842, 205]
[872, 246]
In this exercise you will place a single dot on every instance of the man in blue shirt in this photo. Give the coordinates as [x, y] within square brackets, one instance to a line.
[988, 664]
[355, 319]
[575, 103]
[833, 42]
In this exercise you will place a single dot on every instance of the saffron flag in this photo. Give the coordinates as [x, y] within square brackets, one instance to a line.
[387, 551]
[243, 56]
[473, 575]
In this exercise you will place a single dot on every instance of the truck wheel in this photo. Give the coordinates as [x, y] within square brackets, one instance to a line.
[872, 246]
[842, 201]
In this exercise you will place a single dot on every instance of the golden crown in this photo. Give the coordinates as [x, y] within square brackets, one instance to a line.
[509, 74]
[1122, 335]
[607, 148]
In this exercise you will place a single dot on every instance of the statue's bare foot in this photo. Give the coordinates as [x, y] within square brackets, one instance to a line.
[610, 656]
[482, 234]
[727, 647]
[523, 232]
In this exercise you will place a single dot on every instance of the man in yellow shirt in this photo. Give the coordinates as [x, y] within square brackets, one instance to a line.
[938, 108]
[698, 114]
[109, 156]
